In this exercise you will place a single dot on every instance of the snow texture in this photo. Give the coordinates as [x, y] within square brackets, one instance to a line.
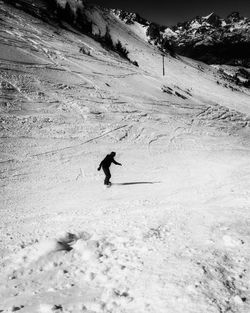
[172, 232]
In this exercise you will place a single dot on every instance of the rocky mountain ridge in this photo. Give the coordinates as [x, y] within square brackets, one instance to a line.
[210, 39]
[130, 18]
[213, 40]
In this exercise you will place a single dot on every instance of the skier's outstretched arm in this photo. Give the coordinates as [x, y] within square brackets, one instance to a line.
[117, 163]
[100, 166]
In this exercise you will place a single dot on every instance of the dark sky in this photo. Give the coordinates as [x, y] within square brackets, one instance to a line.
[169, 12]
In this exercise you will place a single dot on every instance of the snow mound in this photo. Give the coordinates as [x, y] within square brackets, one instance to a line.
[74, 272]
[85, 272]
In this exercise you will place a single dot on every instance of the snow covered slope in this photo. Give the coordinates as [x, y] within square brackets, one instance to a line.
[172, 233]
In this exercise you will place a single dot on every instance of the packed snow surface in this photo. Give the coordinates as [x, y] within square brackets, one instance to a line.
[172, 232]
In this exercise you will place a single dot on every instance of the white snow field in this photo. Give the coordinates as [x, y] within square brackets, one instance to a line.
[172, 234]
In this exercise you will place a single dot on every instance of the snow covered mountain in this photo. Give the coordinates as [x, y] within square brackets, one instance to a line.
[130, 18]
[214, 40]
[172, 233]
[210, 39]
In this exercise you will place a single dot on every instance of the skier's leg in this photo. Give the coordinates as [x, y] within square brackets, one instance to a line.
[106, 180]
[107, 175]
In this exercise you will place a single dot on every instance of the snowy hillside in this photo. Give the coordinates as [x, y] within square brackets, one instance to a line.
[210, 38]
[172, 232]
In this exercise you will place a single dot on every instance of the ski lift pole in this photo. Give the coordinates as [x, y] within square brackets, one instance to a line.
[163, 65]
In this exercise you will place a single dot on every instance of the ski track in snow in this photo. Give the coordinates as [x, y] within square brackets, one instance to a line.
[172, 232]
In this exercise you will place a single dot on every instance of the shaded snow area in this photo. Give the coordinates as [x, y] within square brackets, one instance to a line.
[172, 233]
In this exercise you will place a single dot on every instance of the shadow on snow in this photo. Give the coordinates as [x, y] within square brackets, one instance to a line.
[137, 183]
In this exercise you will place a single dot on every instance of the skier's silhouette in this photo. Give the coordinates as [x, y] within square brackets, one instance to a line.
[105, 165]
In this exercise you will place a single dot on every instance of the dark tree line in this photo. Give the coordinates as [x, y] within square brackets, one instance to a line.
[76, 18]
[80, 20]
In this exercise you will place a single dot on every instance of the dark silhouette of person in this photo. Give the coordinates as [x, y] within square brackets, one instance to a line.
[105, 165]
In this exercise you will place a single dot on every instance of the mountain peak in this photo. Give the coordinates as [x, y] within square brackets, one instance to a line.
[128, 17]
[213, 19]
[234, 17]
[213, 39]
[208, 16]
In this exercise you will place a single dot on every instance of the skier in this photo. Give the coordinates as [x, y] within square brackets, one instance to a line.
[105, 165]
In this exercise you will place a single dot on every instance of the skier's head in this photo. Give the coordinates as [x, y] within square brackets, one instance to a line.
[113, 154]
